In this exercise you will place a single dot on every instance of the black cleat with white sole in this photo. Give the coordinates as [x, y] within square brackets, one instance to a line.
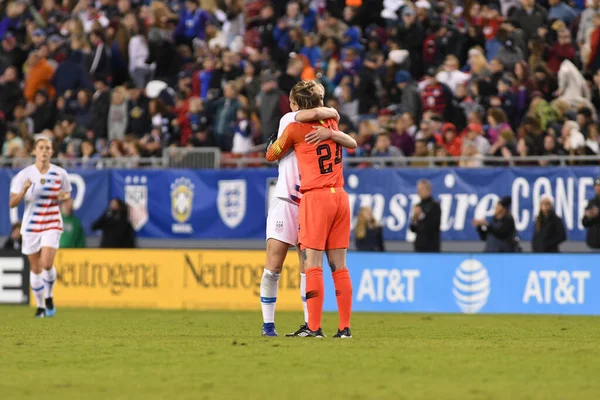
[317, 334]
[303, 331]
[40, 313]
[343, 334]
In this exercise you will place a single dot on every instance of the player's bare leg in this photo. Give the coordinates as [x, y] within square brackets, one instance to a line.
[343, 290]
[315, 291]
[49, 277]
[37, 282]
[276, 253]
[303, 330]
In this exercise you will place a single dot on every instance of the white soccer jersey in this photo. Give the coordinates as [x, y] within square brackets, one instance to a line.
[42, 212]
[288, 182]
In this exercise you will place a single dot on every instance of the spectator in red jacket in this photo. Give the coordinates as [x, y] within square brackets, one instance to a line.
[450, 140]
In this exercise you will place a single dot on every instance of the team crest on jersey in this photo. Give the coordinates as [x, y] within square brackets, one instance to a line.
[136, 197]
[182, 196]
[279, 226]
[231, 202]
[42, 181]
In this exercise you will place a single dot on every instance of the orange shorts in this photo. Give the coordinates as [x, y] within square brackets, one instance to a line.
[324, 219]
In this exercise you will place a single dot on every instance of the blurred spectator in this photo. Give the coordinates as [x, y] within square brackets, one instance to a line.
[440, 63]
[13, 242]
[591, 219]
[549, 230]
[38, 76]
[242, 136]
[450, 140]
[117, 232]
[272, 104]
[73, 235]
[426, 220]
[368, 233]
[117, 114]
[499, 234]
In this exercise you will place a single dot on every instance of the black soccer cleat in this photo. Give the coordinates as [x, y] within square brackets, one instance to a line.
[50, 310]
[40, 313]
[303, 331]
[316, 334]
[343, 334]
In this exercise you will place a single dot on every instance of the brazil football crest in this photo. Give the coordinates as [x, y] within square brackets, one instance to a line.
[182, 197]
[231, 202]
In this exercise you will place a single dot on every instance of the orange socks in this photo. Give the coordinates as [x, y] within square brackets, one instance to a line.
[315, 296]
[343, 294]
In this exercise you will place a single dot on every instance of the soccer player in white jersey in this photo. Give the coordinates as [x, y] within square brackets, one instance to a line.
[42, 185]
[282, 219]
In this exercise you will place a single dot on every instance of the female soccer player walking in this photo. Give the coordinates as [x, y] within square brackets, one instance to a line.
[42, 185]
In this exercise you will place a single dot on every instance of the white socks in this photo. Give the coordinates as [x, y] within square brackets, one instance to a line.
[303, 295]
[37, 287]
[268, 295]
[49, 277]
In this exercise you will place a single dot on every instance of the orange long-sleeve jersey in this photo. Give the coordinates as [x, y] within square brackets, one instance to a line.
[320, 166]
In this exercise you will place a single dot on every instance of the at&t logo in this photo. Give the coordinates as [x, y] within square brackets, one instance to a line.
[471, 286]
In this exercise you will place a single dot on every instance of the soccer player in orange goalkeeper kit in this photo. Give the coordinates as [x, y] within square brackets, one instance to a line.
[324, 215]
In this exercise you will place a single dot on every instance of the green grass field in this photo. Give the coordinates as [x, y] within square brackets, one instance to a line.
[132, 354]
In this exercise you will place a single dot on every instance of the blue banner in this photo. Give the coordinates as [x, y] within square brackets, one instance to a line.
[466, 283]
[232, 204]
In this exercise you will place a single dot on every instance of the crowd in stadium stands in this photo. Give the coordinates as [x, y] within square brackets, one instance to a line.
[447, 78]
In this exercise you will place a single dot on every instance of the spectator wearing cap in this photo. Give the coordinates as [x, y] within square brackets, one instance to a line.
[11, 55]
[411, 35]
[499, 233]
[435, 96]
[450, 140]
[508, 101]
[11, 92]
[39, 74]
[549, 231]
[509, 54]
[474, 134]
[530, 17]
[409, 99]
[38, 38]
[591, 219]
[139, 122]
[562, 11]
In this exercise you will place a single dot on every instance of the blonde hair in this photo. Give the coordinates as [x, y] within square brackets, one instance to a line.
[307, 94]
[362, 223]
[40, 138]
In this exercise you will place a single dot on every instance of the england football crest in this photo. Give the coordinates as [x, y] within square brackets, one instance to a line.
[231, 202]
[136, 197]
[182, 196]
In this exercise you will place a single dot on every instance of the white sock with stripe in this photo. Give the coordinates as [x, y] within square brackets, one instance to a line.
[49, 276]
[268, 295]
[37, 287]
[303, 295]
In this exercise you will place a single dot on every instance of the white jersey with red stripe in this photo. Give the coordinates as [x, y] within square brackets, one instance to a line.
[42, 212]
[288, 182]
